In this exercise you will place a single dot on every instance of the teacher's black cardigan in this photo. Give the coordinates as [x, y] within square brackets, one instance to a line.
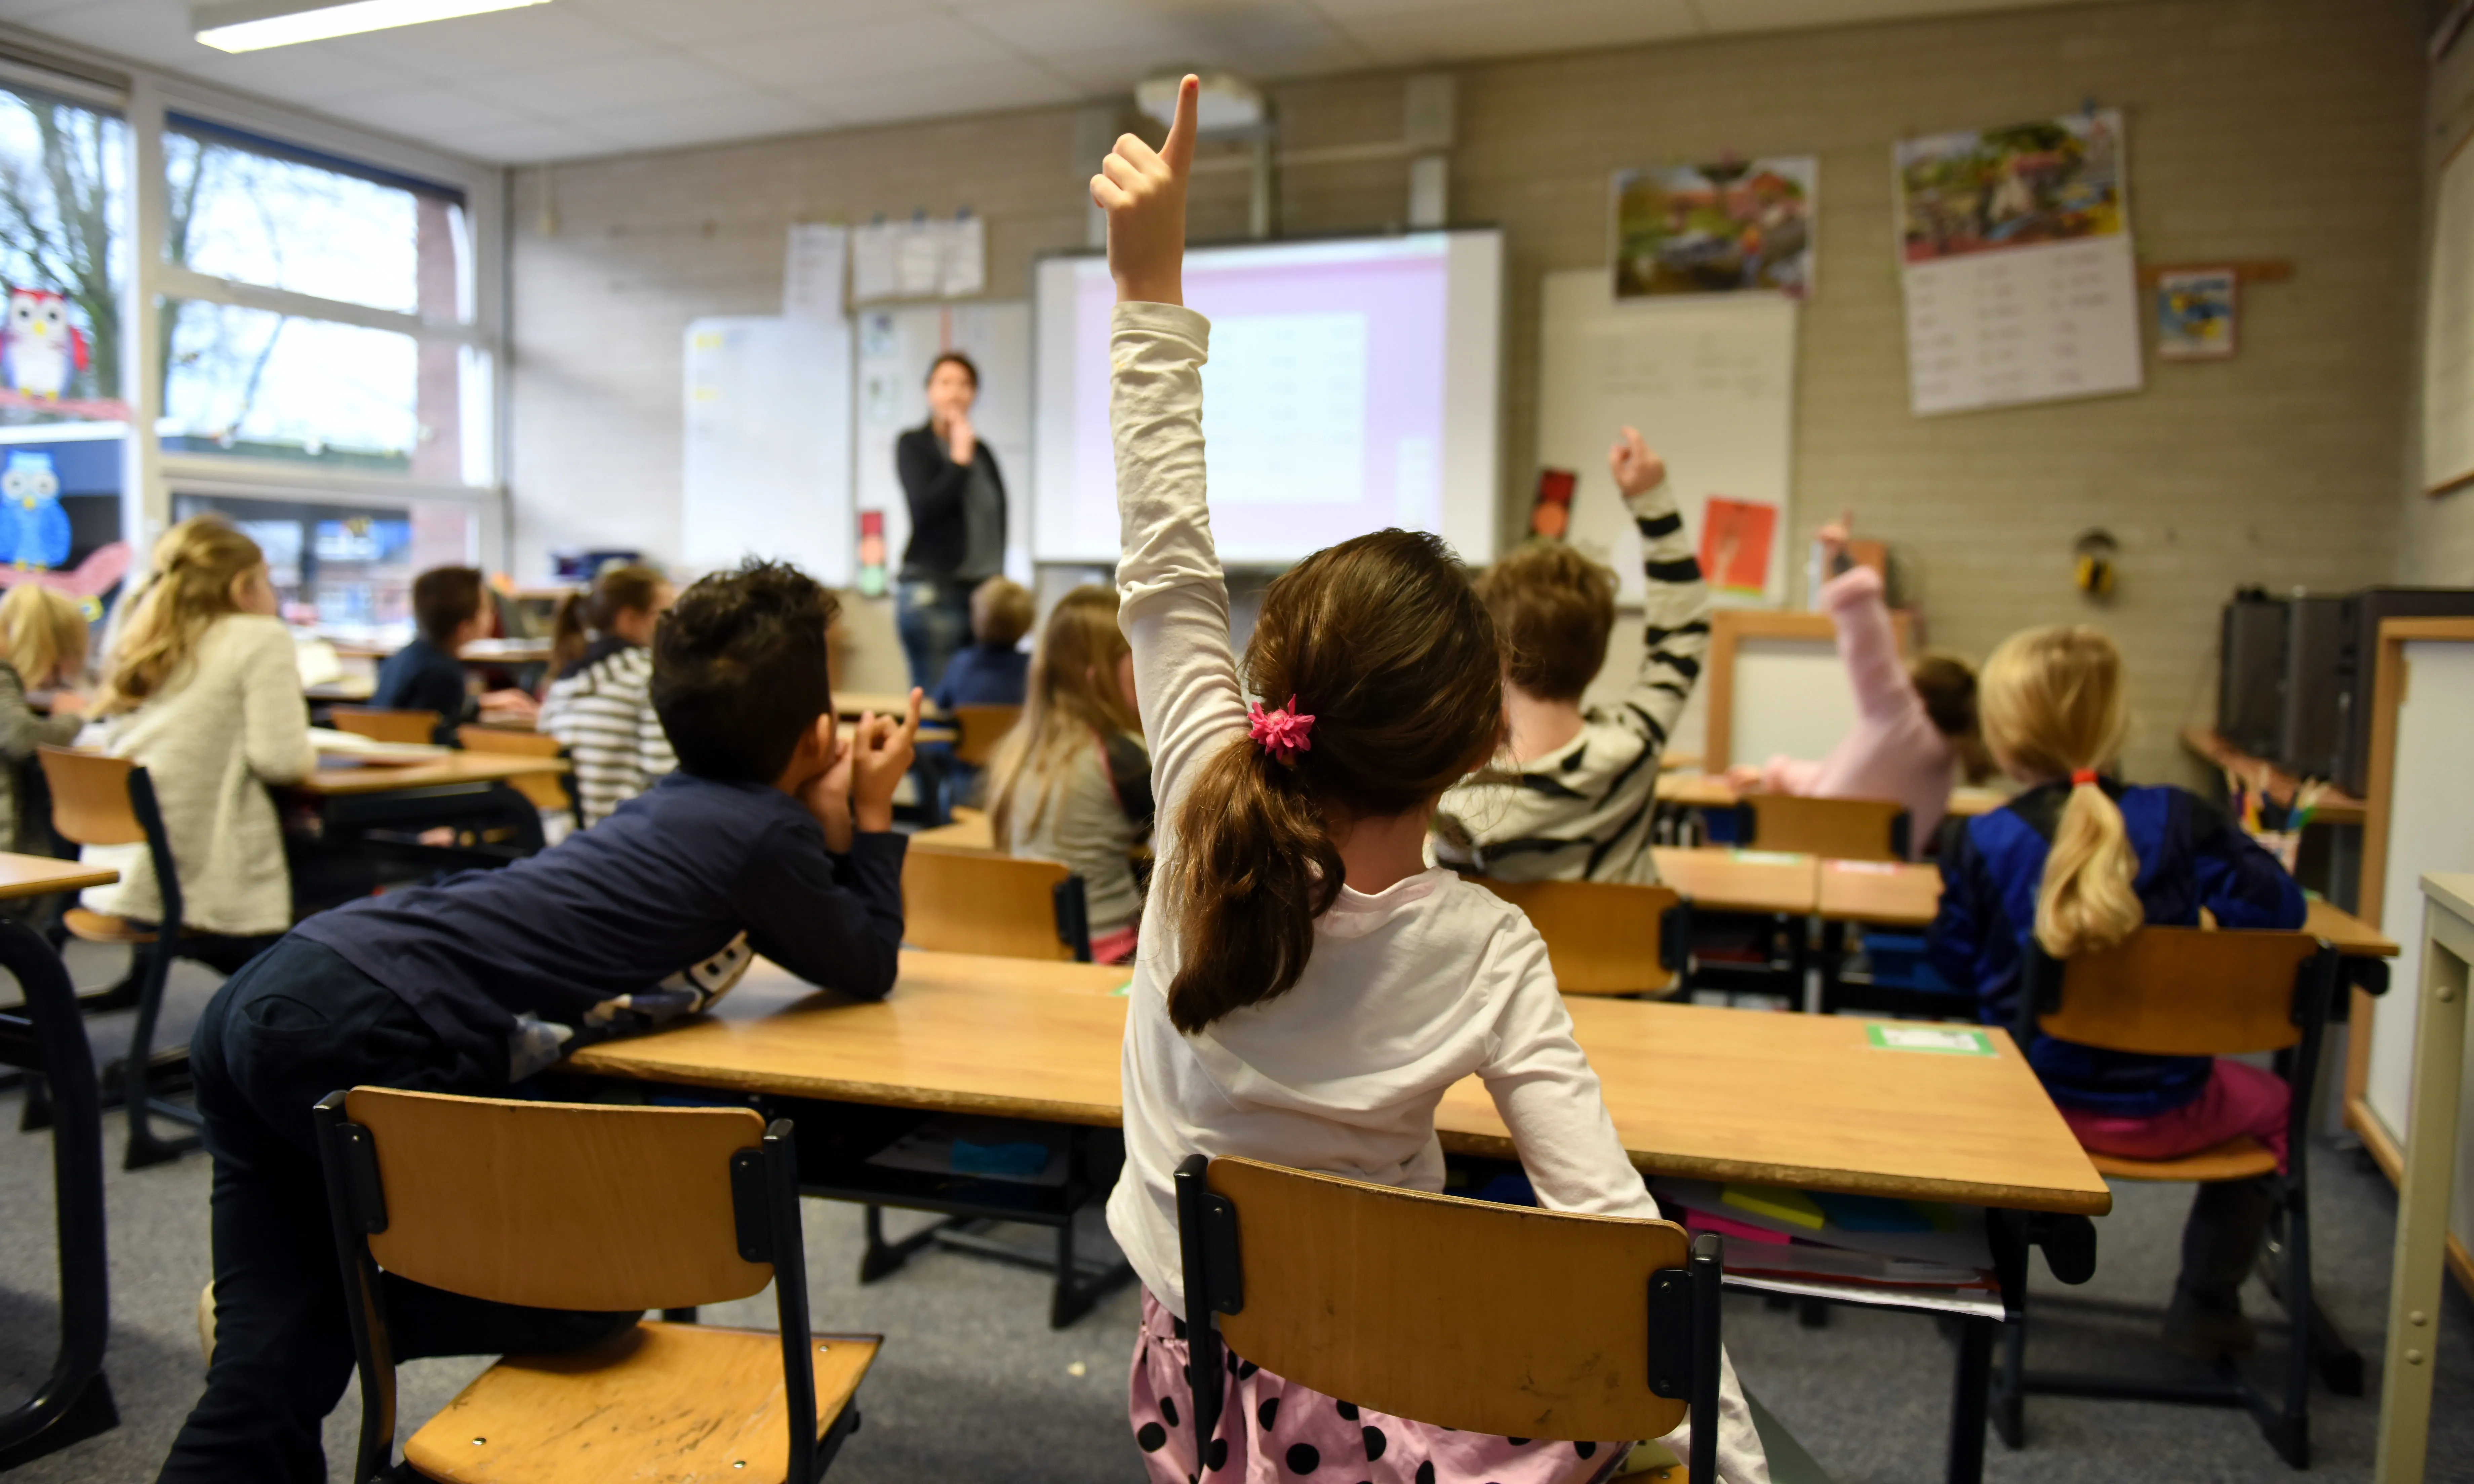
[933, 483]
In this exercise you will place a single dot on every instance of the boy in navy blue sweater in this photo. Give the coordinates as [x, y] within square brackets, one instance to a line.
[773, 838]
[449, 611]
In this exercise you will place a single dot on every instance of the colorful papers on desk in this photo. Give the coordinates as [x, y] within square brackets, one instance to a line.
[1854, 1247]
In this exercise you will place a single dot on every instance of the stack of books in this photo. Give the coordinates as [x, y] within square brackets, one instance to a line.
[1857, 1249]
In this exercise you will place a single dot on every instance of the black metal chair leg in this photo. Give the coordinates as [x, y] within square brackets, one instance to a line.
[1968, 1400]
[2009, 1394]
[145, 1147]
[883, 1256]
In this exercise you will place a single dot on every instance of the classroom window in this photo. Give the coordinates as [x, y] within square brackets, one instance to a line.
[64, 256]
[347, 569]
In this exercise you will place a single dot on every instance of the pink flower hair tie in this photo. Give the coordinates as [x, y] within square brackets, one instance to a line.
[1283, 734]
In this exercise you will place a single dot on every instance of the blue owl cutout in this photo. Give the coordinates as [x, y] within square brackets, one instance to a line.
[34, 528]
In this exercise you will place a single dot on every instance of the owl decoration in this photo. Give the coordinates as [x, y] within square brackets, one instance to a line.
[44, 350]
[34, 529]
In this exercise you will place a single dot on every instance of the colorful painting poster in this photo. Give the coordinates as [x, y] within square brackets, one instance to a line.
[2194, 314]
[1735, 537]
[2012, 187]
[1724, 228]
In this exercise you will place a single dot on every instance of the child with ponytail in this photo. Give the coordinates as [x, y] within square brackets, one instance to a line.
[2078, 862]
[601, 706]
[1307, 989]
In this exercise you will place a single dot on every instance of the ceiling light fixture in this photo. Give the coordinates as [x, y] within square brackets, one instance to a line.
[255, 27]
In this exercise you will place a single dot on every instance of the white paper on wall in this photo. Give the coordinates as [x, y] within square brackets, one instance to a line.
[2034, 324]
[811, 271]
[966, 257]
[872, 261]
[918, 259]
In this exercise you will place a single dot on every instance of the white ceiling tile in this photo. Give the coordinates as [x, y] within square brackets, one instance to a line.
[674, 23]
[430, 110]
[528, 142]
[535, 37]
[302, 74]
[606, 86]
[155, 30]
[950, 92]
[868, 51]
[1408, 35]
[747, 115]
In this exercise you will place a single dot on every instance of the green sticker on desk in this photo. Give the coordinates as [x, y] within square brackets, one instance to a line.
[1124, 990]
[1948, 1041]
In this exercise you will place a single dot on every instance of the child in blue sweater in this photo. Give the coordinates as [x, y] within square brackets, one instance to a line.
[2079, 862]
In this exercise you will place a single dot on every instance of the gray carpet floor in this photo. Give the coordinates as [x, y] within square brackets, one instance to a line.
[972, 1382]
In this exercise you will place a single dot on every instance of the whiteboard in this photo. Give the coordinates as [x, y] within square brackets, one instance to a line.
[2448, 329]
[896, 347]
[1788, 696]
[2431, 827]
[1709, 380]
[769, 443]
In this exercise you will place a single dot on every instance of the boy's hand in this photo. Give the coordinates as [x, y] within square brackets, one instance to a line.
[829, 796]
[1636, 468]
[1143, 191]
[880, 756]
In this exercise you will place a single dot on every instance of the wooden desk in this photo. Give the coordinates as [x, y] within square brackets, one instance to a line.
[2335, 807]
[345, 690]
[1723, 879]
[1018, 1037]
[450, 769]
[1898, 896]
[2430, 1168]
[851, 703]
[40, 876]
[1712, 791]
[971, 834]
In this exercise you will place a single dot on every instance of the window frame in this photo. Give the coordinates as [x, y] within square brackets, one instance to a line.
[144, 98]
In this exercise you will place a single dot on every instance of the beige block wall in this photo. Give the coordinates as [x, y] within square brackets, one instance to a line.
[2259, 129]
[2439, 533]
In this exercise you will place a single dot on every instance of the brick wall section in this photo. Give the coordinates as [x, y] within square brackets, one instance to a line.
[2259, 129]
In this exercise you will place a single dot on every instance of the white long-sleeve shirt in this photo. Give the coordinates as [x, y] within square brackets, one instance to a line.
[225, 725]
[1408, 989]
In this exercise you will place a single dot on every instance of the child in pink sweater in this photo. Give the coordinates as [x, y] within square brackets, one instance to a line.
[1915, 724]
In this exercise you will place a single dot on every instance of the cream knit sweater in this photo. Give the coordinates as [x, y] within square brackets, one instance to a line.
[227, 723]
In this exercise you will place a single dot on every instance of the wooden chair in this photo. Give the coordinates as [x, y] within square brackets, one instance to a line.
[543, 790]
[979, 729]
[1605, 937]
[1838, 829]
[1003, 905]
[380, 725]
[575, 1207]
[102, 800]
[2198, 991]
[1465, 1314]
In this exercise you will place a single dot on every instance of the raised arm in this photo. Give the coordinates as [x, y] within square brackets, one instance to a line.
[1172, 599]
[1676, 609]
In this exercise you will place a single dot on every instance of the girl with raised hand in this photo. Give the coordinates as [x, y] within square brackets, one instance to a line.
[1307, 988]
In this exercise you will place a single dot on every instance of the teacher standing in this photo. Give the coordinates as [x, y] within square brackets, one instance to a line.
[957, 521]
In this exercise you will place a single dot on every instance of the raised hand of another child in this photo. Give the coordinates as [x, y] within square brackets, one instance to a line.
[1636, 467]
[1833, 538]
[1744, 777]
[1143, 191]
[828, 796]
[881, 748]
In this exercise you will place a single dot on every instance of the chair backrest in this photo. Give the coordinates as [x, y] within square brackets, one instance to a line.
[1604, 937]
[380, 725]
[1839, 828]
[2182, 991]
[545, 790]
[1004, 906]
[979, 729]
[560, 1205]
[1487, 1318]
[90, 797]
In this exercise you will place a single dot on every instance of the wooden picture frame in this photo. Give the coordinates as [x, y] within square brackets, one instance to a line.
[1729, 628]
[2388, 685]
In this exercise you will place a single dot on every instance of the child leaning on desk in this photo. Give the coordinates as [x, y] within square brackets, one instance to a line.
[773, 838]
[1307, 989]
[2078, 862]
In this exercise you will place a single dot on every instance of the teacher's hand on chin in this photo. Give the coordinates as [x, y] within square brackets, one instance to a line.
[960, 442]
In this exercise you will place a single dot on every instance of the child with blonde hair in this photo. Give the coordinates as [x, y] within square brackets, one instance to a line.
[42, 647]
[1307, 986]
[1072, 782]
[2077, 863]
[204, 691]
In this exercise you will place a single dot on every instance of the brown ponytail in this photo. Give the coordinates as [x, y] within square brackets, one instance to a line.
[2053, 710]
[617, 588]
[1382, 640]
[1947, 685]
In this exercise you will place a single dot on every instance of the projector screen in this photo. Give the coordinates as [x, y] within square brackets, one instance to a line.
[1352, 385]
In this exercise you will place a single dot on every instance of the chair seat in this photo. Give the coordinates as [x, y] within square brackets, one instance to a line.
[2236, 1158]
[667, 1403]
[103, 927]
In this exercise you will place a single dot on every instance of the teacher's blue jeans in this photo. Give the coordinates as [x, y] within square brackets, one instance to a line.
[933, 617]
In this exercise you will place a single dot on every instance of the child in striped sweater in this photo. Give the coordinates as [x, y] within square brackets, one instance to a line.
[601, 706]
[1571, 796]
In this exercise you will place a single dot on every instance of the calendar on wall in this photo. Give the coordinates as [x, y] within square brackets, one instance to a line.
[2016, 261]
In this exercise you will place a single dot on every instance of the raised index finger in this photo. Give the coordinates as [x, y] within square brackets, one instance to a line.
[1178, 150]
[910, 722]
